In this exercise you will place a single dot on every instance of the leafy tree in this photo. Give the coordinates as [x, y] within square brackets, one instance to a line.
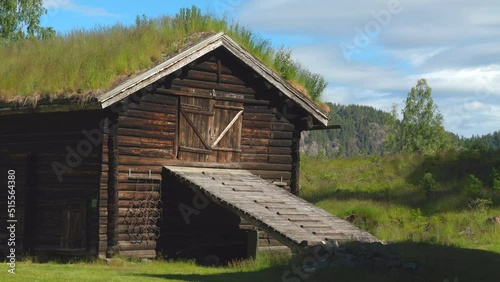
[392, 142]
[429, 183]
[495, 179]
[473, 186]
[20, 19]
[422, 125]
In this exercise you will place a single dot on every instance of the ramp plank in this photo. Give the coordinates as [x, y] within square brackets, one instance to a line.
[287, 218]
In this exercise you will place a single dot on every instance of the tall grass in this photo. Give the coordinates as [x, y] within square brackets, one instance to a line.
[83, 61]
[386, 196]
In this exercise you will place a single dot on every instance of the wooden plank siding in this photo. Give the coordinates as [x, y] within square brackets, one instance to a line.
[111, 200]
[52, 213]
[148, 134]
[146, 138]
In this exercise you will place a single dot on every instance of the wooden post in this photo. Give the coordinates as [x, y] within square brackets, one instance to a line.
[30, 209]
[252, 243]
[295, 177]
[112, 188]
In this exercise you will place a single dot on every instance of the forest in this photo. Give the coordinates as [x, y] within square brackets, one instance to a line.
[363, 133]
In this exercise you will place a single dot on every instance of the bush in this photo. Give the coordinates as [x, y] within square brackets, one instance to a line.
[473, 186]
[428, 183]
[480, 204]
[495, 180]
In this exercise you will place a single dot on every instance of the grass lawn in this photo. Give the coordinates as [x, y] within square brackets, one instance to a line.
[264, 269]
[446, 238]
[435, 263]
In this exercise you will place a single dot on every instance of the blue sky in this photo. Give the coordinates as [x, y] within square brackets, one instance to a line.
[370, 51]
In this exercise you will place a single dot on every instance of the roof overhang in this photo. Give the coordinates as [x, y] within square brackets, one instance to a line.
[202, 48]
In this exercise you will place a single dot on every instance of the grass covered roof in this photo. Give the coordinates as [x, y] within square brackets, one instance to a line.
[90, 62]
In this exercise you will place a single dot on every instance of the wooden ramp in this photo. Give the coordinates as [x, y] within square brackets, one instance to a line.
[291, 220]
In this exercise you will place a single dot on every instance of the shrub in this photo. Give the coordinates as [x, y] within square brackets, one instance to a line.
[480, 204]
[473, 186]
[495, 180]
[428, 183]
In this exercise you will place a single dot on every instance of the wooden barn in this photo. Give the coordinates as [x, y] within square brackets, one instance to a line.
[196, 156]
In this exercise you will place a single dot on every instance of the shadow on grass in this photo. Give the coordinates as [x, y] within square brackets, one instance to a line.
[434, 263]
[273, 274]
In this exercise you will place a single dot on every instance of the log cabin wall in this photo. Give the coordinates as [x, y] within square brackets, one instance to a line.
[56, 215]
[151, 132]
[145, 136]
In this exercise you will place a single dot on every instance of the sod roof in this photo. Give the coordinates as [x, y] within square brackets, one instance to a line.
[85, 64]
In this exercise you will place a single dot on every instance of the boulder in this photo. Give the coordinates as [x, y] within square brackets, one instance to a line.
[493, 220]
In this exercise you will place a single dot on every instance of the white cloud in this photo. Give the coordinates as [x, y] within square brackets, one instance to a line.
[476, 106]
[480, 81]
[451, 43]
[418, 57]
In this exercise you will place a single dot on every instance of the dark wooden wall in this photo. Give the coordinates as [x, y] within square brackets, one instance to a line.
[210, 230]
[122, 174]
[49, 210]
[147, 138]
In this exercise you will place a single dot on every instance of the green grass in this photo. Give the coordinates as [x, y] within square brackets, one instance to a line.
[269, 265]
[444, 237]
[92, 61]
[435, 263]
[385, 198]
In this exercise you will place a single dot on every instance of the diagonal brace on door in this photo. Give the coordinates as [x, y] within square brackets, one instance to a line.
[226, 129]
[196, 130]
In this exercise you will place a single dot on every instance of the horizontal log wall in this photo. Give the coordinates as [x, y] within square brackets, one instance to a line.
[32, 144]
[146, 135]
[147, 132]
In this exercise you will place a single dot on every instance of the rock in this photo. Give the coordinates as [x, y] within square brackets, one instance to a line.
[467, 231]
[394, 263]
[410, 266]
[493, 220]
[210, 260]
[350, 218]
[309, 269]
[380, 256]
[344, 259]
[380, 263]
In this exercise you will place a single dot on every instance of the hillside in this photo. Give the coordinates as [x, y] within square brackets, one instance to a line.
[444, 230]
[363, 133]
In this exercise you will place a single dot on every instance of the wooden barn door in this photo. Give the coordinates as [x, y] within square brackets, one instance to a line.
[209, 129]
[73, 227]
